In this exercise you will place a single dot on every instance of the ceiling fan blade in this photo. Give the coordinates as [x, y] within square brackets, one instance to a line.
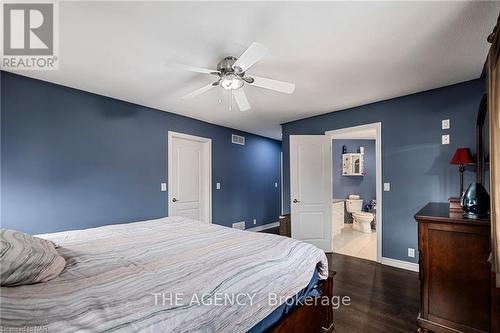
[281, 86]
[200, 91]
[197, 69]
[241, 99]
[254, 53]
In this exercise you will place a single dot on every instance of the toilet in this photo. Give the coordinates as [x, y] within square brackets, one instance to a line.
[361, 220]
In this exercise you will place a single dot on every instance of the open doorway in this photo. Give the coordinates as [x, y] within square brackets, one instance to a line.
[357, 191]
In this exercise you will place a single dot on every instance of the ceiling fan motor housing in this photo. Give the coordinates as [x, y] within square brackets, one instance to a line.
[225, 66]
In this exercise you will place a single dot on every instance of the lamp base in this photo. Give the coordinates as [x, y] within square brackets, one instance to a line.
[455, 205]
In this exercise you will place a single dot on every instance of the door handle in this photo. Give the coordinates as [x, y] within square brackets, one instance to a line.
[174, 199]
[295, 201]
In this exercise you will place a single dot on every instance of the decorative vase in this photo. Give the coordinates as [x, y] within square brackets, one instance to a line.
[475, 202]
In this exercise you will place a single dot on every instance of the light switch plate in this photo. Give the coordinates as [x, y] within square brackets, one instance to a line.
[445, 124]
[276, 184]
[411, 252]
[217, 186]
[445, 139]
[254, 221]
[164, 187]
[387, 187]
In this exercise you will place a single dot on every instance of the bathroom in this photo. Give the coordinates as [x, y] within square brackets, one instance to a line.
[354, 198]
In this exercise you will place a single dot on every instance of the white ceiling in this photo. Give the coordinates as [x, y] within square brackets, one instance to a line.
[339, 54]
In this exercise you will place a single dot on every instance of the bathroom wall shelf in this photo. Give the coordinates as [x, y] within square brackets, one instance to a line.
[353, 164]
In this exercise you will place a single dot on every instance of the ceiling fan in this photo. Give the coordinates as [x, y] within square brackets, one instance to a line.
[232, 77]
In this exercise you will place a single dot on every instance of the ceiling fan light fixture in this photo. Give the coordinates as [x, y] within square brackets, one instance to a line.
[231, 82]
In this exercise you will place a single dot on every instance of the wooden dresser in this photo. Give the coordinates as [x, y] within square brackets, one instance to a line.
[455, 276]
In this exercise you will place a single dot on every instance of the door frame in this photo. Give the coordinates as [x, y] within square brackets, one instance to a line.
[350, 133]
[207, 173]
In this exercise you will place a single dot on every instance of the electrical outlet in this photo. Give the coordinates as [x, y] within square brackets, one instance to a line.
[387, 187]
[445, 139]
[164, 187]
[254, 221]
[239, 225]
[445, 124]
[411, 252]
[217, 186]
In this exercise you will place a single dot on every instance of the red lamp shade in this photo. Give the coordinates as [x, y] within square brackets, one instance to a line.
[462, 156]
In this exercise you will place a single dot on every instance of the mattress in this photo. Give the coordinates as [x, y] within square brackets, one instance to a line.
[166, 275]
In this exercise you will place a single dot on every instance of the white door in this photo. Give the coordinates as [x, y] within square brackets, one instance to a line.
[311, 189]
[189, 170]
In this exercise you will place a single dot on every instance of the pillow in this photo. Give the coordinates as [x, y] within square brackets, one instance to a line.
[25, 259]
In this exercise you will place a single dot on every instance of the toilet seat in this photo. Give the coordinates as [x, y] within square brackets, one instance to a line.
[364, 214]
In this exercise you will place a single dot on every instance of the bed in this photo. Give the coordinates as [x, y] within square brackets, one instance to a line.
[172, 275]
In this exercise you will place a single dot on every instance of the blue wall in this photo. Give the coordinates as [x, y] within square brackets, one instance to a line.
[413, 159]
[365, 185]
[72, 159]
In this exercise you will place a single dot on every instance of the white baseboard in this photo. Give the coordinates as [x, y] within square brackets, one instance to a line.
[399, 264]
[264, 227]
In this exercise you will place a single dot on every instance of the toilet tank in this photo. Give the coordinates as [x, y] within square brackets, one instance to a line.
[353, 205]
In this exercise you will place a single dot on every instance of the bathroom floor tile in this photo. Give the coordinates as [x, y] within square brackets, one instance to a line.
[356, 243]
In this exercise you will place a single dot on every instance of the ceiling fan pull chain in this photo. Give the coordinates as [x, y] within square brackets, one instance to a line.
[230, 99]
[219, 94]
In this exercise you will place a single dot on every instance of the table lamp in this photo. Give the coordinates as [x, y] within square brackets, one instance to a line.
[462, 157]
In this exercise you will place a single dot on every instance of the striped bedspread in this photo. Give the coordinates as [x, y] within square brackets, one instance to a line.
[166, 275]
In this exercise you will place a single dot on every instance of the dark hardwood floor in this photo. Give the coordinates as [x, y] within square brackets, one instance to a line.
[275, 231]
[383, 298]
